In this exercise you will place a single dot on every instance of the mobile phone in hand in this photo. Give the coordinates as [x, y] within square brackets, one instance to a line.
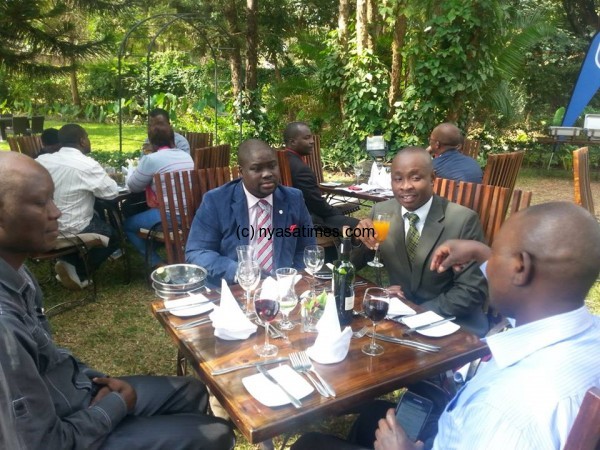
[412, 412]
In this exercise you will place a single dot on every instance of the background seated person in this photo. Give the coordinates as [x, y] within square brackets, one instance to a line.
[237, 212]
[53, 400]
[448, 161]
[449, 294]
[79, 180]
[299, 142]
[161, 116]
[528, 395]
[163, 159]
[50, 142]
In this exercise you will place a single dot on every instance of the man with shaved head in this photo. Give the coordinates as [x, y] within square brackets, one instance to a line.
[449, 162]
[540, 268]
[51, 400]
[435, 220]
[254, 210]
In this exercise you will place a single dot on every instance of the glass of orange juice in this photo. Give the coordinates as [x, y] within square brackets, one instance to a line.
[381, 224]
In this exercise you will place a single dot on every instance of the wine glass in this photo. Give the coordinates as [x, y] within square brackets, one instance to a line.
[248, 276]
[381, 224]
[314, 257]
[287, 295]
[266, 309]
[375, 305]
[358, 170]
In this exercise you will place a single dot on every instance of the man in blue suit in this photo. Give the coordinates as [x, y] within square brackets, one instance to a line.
[244, 212]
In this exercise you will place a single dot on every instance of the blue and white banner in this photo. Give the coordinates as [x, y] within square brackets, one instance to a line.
[587, 84]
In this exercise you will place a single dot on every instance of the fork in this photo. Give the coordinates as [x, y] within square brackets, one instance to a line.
[305, 360]
[301, 368]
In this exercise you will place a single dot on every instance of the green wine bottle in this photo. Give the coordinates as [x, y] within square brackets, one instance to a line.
[343, 283]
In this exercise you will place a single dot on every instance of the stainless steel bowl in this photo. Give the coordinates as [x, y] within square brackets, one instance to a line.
[178, 278]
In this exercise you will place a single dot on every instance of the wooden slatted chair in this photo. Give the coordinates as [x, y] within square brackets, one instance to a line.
[581, 178]
[215, 156]
[30, 145]
[213, 177]
[520, 200]
[445, 188]
[585, 433]
[13, 144]
[285, 175]
[314, 159]
[198, 140]
[79, 244]
[470, 148]
[502, 169]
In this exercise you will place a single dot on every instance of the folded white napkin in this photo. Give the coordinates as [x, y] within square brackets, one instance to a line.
[331, 345]
[399, 308]
[421, 319]
[271, 288]
[380, 177]
[229, 321]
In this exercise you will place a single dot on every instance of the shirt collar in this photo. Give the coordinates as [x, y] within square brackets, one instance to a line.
[422, 212]
[13, 280]
[516, 344]
[253, 200]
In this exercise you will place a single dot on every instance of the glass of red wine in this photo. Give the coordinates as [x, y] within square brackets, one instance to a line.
[375, 305]
[266, 308]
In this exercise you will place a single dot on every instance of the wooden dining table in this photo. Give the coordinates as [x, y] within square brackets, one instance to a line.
[363, 196]
[356, 379]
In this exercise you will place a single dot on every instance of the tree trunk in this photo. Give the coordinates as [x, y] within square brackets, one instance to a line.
[234, 54]
[74, 86]
[371, 26]
[361, 26]
[343, 17]
[397, 62]
[251, 44]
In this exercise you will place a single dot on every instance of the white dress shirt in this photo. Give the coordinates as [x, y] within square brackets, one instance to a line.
[528, 395]
[77, 180]
[253, 211]
[422, 212]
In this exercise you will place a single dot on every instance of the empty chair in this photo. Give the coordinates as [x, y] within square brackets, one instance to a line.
[37, 125]
[20, 125]
[198, 140]
[215, 156]
[30, 145]
[502, 170]
[581, 178]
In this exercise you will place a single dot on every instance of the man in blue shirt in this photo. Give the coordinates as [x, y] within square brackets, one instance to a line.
[528, 395]
[448, 161]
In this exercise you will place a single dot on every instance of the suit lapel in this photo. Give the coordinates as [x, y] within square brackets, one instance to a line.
[239, 211]
[434, 226]
[279, 220]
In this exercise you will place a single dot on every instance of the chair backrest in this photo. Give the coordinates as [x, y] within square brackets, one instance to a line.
[30, 145]
[215, 156]
[13, 144]
[37, 124]
[213, 177]
[178, 199]
[585, 433]
[520, 200]
[285, 175]
[581, 178]
[470, 148]
[198, 140]
[502, 169]
[490, 202]
[314, 159]
[20, 125]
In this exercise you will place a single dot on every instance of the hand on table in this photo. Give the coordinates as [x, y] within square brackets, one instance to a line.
[391, 436]
[456, 253]
[115, 385]
[367, 233]
[396, 291]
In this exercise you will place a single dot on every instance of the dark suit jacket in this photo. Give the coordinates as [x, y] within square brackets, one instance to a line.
[449, 294]
[221, 224]
[303, 178]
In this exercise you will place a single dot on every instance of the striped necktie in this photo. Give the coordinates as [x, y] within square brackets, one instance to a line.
[264, 246]
[412, 237]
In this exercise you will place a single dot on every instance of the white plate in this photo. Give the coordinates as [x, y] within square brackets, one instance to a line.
[428, 317]
[204, 306]
[270, 395]
[331, 184]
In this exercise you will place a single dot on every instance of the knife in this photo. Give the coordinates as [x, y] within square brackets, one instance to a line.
[248, 365]
[193, 323]
[269, 377]
[427, 326]
[408, 343]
